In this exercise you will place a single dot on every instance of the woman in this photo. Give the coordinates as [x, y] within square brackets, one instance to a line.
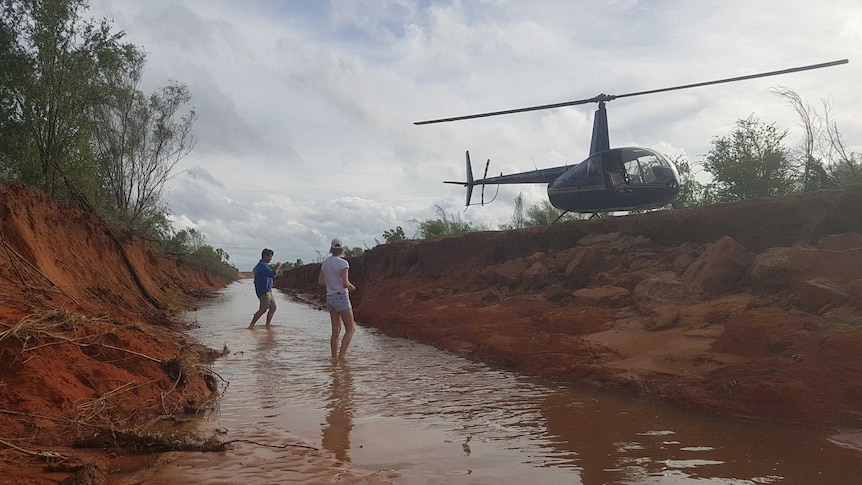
[333, 274]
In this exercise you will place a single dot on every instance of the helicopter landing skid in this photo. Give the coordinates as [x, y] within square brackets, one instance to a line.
[560, 216]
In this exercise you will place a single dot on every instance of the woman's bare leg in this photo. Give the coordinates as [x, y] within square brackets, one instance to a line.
[335, 318]
[349, 328]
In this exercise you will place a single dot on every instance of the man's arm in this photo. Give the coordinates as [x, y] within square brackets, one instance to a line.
[272, 272]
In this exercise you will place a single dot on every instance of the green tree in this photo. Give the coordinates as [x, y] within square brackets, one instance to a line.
[137, 142]
[750, 162]
[842, 166]
[176, 243]
[444, 224]
[541, 214]
[214, 261]
[518, 220]
[393, 235]
[544, 213]
[190, 245]
[14, 64]
[353, 252]
[848, 171]
[814, 147]
[60, 67]
[195, 239]
[691, 192]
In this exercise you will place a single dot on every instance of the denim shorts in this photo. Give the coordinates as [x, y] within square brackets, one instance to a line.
[338, 302]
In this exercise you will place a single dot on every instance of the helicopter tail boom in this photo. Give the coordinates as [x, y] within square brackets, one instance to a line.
[539, 176]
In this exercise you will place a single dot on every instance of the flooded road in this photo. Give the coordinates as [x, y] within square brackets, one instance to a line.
[406, 413]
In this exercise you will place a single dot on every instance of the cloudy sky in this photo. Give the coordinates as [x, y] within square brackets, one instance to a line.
[306, 108]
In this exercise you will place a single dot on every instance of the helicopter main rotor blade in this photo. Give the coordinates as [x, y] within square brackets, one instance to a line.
[594, 99]
[610, 97]
[738, 78]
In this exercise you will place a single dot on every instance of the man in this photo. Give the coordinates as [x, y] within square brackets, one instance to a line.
[263, 276]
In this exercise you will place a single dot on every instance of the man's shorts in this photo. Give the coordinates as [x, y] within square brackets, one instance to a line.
[338, 302]
[267, 302]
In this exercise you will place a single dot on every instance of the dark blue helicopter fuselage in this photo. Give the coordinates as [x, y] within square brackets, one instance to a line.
[618, 179]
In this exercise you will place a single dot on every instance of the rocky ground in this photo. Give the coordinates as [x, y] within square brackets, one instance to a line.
[749, 309]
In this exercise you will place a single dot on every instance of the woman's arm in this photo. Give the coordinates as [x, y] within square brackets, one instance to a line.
[345, 280]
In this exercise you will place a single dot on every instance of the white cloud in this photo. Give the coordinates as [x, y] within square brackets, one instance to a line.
[306, 109]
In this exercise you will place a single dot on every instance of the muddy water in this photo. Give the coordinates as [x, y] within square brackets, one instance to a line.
[405, 413]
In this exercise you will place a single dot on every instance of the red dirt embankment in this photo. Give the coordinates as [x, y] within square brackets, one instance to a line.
[751, 308]
[86, 340]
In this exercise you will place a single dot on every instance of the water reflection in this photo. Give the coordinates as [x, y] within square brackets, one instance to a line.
[266, 342]
[339, 415]
[267, 375]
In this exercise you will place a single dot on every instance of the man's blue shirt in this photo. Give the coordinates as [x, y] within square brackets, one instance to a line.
[263, 276]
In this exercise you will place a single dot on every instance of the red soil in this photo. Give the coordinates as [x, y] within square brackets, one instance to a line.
[86, 337]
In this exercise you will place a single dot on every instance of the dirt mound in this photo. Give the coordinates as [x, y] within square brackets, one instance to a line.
[751, 308]
[87, 345]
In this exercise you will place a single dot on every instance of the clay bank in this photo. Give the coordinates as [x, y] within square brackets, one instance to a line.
[751, 309]
[90, 353]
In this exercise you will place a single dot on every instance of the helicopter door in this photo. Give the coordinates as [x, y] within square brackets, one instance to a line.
[617, 179]
[616, 172]
[634, 172]
[594, 172]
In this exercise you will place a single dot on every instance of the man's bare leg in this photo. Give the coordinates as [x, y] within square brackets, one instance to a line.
[256, 317]
[269, 316]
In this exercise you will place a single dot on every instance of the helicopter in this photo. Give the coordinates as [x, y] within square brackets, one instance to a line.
[609, 179]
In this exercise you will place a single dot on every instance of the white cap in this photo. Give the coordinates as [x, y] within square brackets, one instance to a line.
[337, 243]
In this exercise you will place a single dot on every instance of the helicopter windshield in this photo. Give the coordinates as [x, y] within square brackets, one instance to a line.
[645, 167]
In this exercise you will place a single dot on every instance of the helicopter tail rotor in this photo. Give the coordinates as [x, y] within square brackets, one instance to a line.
[469, 179]
[469, 183]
